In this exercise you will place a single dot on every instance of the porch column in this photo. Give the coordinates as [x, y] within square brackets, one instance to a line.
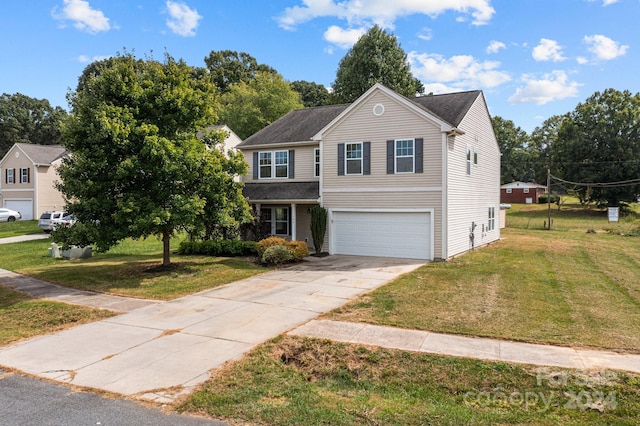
[293, 222]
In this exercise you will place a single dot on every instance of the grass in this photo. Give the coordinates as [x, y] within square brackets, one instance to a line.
[22, 316]
[19, 227]
[293, 381]
[557, 287]
[572, 217]
[565, 287]
[127, 269]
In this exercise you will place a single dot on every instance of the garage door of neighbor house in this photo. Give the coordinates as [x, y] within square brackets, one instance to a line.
[25, 207]
[388, 234]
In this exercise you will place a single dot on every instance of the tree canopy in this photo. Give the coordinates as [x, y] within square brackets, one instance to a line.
[228, 67]
[137, 166]
[312, 94]
[28, 120]
[377, 57]
[517, 157]
[599, 143]
[250, 106]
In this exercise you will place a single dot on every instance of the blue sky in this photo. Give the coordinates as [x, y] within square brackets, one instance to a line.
[532, 58]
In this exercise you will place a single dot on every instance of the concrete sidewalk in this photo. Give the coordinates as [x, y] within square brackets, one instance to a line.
[161, 352]
[20, 238]
[470, 347]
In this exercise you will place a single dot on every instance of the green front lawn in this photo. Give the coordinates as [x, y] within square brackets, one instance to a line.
[22, 316]
[566, 288]
[296, 381]
[19, 227]
[127, 269]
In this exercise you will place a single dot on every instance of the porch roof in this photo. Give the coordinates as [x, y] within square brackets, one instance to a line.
[282, 191]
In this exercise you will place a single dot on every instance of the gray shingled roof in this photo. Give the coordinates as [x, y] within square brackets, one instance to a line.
[274, 191]
[302, 124]
[451, 107]
[43, 154]
[296, 126]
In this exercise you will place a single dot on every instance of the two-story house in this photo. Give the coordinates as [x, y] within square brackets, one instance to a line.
[28, 174]
[415, 178]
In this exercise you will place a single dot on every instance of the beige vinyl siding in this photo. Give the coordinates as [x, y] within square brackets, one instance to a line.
[303, 222]
[397, 122]
[303, 163]
[11, 162]
[49, 198]
[470, 196]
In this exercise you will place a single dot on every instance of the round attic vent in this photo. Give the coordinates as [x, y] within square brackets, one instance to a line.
[17, 154]
[378, 109]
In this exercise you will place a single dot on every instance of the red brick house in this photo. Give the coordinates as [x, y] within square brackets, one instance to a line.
[521, 192]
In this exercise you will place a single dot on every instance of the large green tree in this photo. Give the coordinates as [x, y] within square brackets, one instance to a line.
[377, 57]
[28, 120]
[137, 166]
[228, 67]
[518, 160]
[599, 144]
[312, 94]
[250, 106]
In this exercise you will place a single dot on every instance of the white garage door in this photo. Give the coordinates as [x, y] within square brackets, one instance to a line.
[389, 234]
[25, 207]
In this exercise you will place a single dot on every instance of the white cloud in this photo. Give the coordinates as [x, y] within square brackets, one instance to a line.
[495, 46]
[426, 34]
[83, 16]
[456, 73]
[604, 48]
[582, 60]
[609, 2]
[343, 38]
[85, 59]
[548, 50]
[382, 12]
[182, 19]
[551, 87]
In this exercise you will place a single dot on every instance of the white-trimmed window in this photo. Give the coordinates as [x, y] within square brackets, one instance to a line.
[316, 162]
[24, 175]
[492, 219]
[509, 190]
[404, 156]
[273, 164]
[475, 156]
[469, 160]
[353, 158]
[277, 219]
[10, 178]
[525, 190]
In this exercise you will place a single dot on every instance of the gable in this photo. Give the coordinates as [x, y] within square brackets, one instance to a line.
[39, 155]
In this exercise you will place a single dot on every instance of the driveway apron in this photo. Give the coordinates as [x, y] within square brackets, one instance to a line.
[161, 352]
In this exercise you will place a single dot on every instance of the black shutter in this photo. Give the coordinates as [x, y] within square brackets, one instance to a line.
[255, 166]
[419, 155]
[28, 175]
[390, 157]
[366, 158]
[291, 160]
[340, 159]
[6, 176]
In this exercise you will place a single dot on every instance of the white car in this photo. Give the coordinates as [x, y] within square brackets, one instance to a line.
[49, 220]
[8, 215]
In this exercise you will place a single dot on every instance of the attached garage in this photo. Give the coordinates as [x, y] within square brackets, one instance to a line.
[405, 234]
[25, 207]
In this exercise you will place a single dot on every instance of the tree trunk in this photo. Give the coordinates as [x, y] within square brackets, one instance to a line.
[166, 252]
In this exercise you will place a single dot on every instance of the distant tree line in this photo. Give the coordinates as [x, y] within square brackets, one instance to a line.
[594, 149]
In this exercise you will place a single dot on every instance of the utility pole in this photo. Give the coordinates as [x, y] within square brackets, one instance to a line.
[548, 199]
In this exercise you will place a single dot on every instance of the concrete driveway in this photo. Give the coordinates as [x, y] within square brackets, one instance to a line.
[163, 351]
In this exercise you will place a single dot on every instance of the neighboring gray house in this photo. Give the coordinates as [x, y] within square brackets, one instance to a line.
[29, 173]
[416, 178]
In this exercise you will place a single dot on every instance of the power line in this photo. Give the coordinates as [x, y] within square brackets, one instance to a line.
[628, 182]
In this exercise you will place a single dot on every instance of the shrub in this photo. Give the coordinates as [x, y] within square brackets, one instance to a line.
[297, 249]
[263, 245]
[318, 226]
[276, 255]
[227, 248]
[544, 199]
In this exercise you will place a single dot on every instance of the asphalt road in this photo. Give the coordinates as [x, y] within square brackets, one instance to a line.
[28, 401]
